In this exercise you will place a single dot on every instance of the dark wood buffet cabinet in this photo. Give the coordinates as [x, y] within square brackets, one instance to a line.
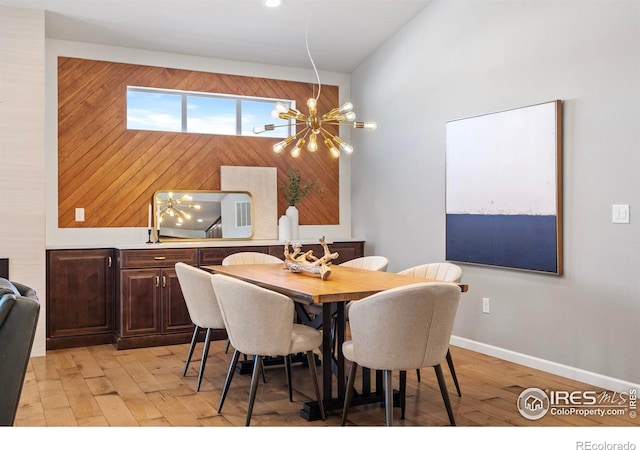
[132, 298]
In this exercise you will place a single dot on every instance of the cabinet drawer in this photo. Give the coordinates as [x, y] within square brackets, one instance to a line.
[158, 257]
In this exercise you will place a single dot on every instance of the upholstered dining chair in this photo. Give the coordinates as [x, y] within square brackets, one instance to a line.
[249, 258]
[373, 262]
[203, 308]
[401, 329]
[268, 331]
[441, 271]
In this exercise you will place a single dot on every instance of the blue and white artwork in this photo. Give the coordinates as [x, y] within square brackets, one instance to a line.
[502, 189]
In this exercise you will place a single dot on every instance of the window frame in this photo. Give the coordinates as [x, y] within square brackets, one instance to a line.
[238, 110]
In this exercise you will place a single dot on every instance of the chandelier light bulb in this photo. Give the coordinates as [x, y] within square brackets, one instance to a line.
[332, 148]
[348, 106]
[342, 145]
[273, 3]
[311, 104]
[282, 144]
[313, 143]
[348, 117]
[262, 128]
[298, 148]
[365, 125]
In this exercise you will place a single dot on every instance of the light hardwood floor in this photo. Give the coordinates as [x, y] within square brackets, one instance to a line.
[99, 386]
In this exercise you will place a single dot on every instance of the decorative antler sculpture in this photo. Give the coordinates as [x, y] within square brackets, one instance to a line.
[306, 262]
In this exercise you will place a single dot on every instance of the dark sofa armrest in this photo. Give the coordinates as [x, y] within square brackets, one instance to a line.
[18, 322]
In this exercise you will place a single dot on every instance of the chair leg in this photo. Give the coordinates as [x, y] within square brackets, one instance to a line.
[314, 377]
[227, 381]
[349, 391]
[226, 350]
[257, 365]
[203, 361]
[445, 393]
[388, 397]
[192, 347]
[453, 372]
[287, 368]
[264, 374]
[403, 393]
[418, 374]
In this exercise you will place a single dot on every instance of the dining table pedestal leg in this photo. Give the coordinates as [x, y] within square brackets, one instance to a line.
[333, 365]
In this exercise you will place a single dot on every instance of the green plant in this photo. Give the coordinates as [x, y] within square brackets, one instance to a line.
[293, 189]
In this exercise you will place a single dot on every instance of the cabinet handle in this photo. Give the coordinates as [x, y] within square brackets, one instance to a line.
[164, 281]
[109, 261]
[157, 281]
[159, 258]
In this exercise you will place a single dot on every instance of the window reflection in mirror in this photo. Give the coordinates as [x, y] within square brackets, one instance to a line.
[198, 215]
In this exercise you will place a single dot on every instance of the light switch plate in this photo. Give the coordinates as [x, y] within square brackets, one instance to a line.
[620, 214]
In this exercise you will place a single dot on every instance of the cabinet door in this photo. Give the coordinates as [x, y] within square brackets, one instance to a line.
[80, 288]
[175, 316]
[140, 297]
[347, 250]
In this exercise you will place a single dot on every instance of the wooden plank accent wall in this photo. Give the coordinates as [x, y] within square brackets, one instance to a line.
[113, 172]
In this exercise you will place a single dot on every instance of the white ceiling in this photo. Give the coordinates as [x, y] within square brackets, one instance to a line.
[341, 33]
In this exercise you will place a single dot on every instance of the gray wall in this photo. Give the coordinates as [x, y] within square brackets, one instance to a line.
[464, 58]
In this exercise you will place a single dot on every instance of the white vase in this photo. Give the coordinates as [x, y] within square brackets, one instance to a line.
[284, 229]
[292, 214]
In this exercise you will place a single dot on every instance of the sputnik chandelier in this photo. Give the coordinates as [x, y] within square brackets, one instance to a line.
[174, 208]
[313, 124]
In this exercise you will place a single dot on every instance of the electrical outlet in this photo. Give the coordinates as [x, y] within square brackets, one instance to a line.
[486, 305]
[620, 214]
[79, 214]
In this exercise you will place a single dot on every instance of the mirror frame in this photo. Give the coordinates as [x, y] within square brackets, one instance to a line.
[158, 238]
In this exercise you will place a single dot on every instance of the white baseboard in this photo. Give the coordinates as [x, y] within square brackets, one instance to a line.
[583, 376]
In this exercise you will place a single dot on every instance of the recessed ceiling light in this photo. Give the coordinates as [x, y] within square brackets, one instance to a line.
[273, 3]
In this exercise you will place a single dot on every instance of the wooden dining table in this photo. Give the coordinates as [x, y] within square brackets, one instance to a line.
[343, 285]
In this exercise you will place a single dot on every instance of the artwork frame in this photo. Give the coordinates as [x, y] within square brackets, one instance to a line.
[504, 189]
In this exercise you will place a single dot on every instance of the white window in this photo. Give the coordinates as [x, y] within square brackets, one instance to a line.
[243, 214]
[201, 112]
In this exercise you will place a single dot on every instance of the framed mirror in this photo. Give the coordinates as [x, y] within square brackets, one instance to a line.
[200, 215]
